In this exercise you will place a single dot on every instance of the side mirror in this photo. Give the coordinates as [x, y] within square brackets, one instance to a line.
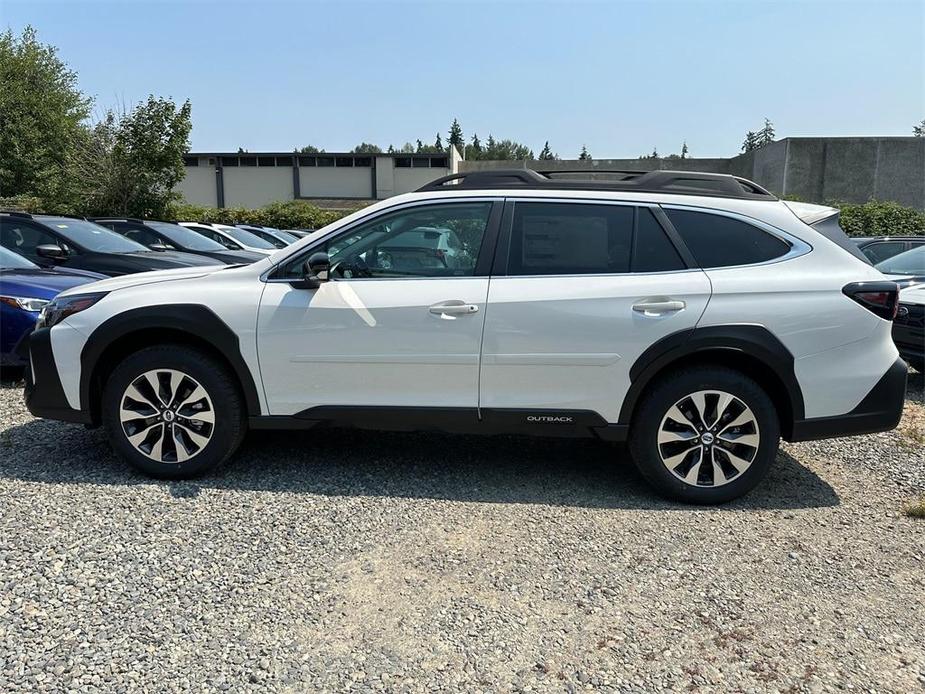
[52, 251]
[315, 271]
[159, 247]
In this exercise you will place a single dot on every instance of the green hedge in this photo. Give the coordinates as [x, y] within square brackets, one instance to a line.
[293, 214]
[877, 218]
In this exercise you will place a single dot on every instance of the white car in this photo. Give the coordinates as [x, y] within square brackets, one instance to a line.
[693, 315]
[231, 237]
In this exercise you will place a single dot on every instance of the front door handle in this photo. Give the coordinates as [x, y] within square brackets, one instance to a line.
[449, 310]
[658, 306]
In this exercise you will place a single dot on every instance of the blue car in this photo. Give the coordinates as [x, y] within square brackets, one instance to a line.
[24, 289]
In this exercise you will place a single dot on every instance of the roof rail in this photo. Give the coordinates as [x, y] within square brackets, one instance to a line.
[15, 213]
[673, 182]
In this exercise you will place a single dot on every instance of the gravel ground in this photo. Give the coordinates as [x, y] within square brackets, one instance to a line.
[408, 562]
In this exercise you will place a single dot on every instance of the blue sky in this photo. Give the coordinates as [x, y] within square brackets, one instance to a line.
[620, 77]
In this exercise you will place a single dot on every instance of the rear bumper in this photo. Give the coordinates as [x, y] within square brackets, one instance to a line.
[880, 410]
[43, 393]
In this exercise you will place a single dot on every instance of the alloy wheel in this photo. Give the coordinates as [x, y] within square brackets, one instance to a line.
[708, 438]
[167, 415]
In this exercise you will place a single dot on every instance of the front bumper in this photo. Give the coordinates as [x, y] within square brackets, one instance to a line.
[880, 410]
[43, 393]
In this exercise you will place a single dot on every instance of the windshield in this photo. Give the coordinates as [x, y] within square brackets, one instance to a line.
[185, 238]
[14, 261]
[906, 263]
[92, 236]
[247, 238]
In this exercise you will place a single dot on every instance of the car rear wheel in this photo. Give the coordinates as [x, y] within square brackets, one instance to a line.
[705, 435]
[173, 412]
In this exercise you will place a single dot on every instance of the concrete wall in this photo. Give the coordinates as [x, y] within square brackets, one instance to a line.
[335, 182]
[198, 187]
[407, 180]
[252, 186]
[832, 169]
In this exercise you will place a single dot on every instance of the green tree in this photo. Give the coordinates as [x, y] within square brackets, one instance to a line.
[585, 155]
[766, 134]
[919, 130]
[42, 112]
[366, 148]
[438, 143]
[547, 153]
[506, 150]
[684, 151]
[408, 148]
[751, 141]
[455, 137]
[310, 149]
[475, 149]
[129, 163]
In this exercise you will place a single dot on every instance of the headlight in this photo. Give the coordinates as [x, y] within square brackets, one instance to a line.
[25, 303]
[61, 307]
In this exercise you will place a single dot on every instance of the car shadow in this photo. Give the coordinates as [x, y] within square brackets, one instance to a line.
[346, 462]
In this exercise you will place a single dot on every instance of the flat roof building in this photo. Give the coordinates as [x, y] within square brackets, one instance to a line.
[244, 179]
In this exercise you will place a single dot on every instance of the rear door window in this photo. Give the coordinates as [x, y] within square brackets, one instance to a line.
[720, 241]
[561, 238]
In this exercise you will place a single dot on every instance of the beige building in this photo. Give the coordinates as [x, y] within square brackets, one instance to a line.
[245, 179]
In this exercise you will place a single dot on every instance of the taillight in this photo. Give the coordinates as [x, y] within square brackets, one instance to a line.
[880, 298]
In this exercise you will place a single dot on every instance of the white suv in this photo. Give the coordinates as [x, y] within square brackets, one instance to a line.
[693, 315]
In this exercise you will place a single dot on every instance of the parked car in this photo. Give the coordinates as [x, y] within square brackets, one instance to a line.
[231, 237]
[694, 315]
[880, 248]
[166, 236]
[279, 239]
[299, 233]
[76, 243]
[909, 326]
[907, 268]
[25, 288]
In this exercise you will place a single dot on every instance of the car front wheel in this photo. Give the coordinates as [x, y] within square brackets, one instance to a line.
[705, 435]
[172, 411]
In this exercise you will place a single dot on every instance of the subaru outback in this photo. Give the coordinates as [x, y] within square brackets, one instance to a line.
[694, 316]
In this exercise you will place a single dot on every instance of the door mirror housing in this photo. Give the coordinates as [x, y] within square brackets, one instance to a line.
[315, 270]
[159, 247]
[52, 252]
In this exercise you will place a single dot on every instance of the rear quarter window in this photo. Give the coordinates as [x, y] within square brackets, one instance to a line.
[719, 241]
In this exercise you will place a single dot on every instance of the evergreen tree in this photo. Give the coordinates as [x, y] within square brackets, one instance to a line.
[420, 146]
[391, 150]
[456, 136]
[475, 149]
[766, 134]
[684, 150]
[751, 141]
[919, 130]
[546, 153]
[654, 154]
[585, 155]
[438, 143]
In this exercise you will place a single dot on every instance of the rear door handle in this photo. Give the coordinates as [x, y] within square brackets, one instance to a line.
[659, 306]
[449, 310]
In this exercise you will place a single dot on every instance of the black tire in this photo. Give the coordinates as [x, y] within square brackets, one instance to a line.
[225, 435]
[672, 389]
